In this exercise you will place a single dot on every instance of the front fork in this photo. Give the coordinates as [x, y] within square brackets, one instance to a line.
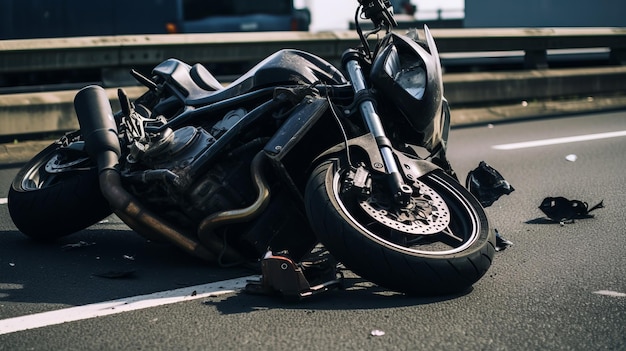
[401, 191]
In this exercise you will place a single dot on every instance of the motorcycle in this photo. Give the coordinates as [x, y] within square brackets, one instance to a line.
[293, 154]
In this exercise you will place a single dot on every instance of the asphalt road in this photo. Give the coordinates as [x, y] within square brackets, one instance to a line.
[559, 287]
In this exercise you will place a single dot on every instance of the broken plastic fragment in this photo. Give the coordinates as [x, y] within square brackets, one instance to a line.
[560, 209]
[571, 157]
[76, 245]
[377, 332]
[501, 243]
[487, 184]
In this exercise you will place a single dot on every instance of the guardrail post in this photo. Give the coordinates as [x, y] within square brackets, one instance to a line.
[618, 56]
[535, 59]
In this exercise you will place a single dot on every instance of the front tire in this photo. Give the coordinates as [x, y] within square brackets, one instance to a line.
[445, 254]
[56, 193]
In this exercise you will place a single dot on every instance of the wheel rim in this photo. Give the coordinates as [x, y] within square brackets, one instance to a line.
[451, 225]
[54, 167]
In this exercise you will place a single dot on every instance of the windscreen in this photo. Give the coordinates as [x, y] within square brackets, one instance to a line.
[198, 9]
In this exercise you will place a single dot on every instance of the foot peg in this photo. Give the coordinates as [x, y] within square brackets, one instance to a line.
[282, 276]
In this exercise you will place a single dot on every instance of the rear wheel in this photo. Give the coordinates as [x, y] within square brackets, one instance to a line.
[56, 193]
[439, 243]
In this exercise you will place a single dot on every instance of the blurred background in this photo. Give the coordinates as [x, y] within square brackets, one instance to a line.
[21, 19]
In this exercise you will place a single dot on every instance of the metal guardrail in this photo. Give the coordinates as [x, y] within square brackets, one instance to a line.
[50, 112]
[128, 51]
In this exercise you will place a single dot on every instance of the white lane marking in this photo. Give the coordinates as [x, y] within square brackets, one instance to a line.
[572, 139]
[610, 293]
[3, 200]
[100, 309]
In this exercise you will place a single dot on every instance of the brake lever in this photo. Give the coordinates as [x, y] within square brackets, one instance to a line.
[378, 12]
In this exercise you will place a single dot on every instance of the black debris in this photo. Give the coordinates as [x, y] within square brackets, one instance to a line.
[76, 245]
[561, 209]
[501, 242]
[487, 184]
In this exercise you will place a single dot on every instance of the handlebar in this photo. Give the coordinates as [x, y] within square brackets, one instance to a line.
[378, 11]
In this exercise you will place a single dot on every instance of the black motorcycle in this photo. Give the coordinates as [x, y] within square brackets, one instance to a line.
[292, 154]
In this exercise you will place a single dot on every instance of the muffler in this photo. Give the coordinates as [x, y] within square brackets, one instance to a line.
[97, 126]
[99, 132]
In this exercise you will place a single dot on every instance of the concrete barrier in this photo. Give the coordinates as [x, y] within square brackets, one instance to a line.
[53, 112]
[125, 51]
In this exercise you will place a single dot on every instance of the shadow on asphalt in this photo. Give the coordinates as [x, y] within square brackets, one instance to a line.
[86, 267]
[359, 294]
[101, 264]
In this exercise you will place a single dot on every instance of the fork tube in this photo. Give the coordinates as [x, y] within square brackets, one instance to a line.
[372, 120]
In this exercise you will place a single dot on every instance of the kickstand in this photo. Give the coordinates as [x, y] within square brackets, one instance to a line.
[282, 276]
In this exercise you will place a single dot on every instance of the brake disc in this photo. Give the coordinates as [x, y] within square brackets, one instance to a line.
[59, 164]
[426, 213]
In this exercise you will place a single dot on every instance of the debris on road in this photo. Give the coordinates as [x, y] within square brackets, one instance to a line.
[501, 243]
[563, 210]
[487, 184]
[76, 245]
[377, 332]
[571, 157]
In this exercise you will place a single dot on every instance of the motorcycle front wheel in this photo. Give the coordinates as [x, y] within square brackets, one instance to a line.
[56, 193]
[442, 245]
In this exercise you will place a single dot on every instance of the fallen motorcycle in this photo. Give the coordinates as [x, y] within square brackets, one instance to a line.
[292, 154]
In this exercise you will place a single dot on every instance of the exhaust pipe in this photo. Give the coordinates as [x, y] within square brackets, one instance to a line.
[97, 126]
[99, 131]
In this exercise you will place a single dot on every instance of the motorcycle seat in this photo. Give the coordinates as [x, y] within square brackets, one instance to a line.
[283, 68]
[196, 86]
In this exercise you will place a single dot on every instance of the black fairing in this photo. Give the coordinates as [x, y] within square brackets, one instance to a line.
[423, 112]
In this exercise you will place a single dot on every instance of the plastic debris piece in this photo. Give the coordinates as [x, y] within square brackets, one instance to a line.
[128, 257]
[377, 332]
[487, 184]
[116, 274]
[501, 243]
[571, 157]
[610, 293]
[562, 210]
[76, 245]
[11, 264]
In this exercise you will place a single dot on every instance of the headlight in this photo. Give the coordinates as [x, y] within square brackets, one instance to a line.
[413, 80]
